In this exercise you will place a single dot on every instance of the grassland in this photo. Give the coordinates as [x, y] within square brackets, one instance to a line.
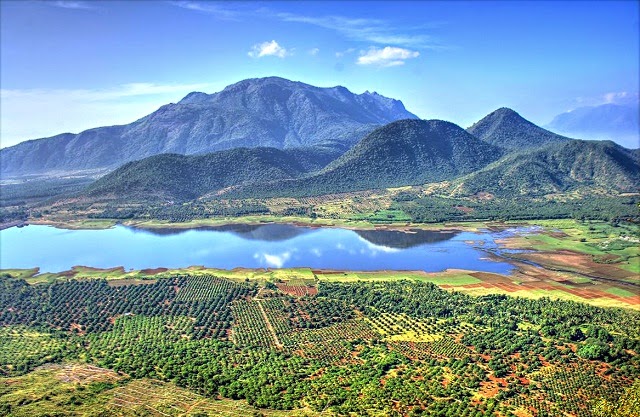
[76, 389]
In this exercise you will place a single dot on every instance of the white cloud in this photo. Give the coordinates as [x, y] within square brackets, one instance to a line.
[274, 261]
[210, 8]
[621, 97]
[376, 31]
[37, 113]
[340, 54]
[268, 49]
[77, 5]
[389, 56]
[375, 249]
[314, 51]
[367, 30]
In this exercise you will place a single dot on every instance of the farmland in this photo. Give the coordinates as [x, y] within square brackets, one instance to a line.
[287, 343]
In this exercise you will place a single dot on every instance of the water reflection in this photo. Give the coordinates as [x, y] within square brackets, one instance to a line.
[282, 232]
[263, 232]
[249, 246]
[405, 239]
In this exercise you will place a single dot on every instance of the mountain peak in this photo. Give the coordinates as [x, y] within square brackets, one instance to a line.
[258, 112]
[507, 129]
[404, 152]
[505, 111]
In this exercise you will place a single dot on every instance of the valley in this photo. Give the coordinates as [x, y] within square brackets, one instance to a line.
[532, 342]
[233, 255]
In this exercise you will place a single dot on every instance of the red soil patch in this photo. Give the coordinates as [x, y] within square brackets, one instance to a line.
[321, 272]
[464, 209]
[576, 261]
[489, 389]
[153, 271]
[76, 326]
[297, 290]
[123, 282]
[484, 196]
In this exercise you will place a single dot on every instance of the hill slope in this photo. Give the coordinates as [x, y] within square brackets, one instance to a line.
[181, 177]
[264, 112]
[508, 130]
[401, 153]
[568, 166]
[608, 121]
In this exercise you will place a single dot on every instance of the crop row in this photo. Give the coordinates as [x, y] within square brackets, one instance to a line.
[249, 325]
[444, 347]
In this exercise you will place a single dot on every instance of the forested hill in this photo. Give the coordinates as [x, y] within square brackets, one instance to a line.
[508, 130]
[401, 153]
[405, 152]
[262, 112]
[572, 165]
[180, 177]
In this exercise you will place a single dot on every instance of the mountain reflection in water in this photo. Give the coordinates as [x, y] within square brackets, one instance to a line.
[248, 246]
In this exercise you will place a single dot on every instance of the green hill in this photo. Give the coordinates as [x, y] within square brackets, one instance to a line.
[508, 130]
[572, 165]
[180, 177]
[404, 152]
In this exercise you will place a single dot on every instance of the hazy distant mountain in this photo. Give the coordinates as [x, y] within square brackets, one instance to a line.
[401, 153]
[571, 165]
[605, 122]
[186, 177]
[263, 112]
[508, 130]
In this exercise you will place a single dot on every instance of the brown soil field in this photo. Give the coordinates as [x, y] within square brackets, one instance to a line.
[570, 260]
[154, 271]
[123, 282]
[297, 290]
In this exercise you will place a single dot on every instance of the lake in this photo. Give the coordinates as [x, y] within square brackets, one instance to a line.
[249, 246]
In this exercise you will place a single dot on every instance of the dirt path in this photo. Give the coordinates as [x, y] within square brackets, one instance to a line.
[269, 326]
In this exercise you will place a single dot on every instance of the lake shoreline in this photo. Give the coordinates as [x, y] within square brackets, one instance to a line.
[93, 224]
[518, 283]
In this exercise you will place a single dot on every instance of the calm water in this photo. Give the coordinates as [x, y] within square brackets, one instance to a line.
[264, 246]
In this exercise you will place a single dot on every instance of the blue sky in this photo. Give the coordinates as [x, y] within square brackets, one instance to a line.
[70, 65]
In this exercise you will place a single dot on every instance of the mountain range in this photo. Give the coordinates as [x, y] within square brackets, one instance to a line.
[263, 112]
[287, 139]
[404, 152]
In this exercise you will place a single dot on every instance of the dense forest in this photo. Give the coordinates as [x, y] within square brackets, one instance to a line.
[363, 348]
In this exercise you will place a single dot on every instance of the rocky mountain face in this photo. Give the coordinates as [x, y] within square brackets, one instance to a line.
[263, 112]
